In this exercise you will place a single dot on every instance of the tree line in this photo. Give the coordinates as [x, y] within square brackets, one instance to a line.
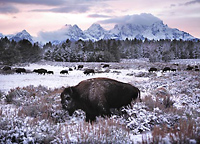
[114, 50]
[12, 52]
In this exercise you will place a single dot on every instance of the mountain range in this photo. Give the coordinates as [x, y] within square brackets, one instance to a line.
[156, 30]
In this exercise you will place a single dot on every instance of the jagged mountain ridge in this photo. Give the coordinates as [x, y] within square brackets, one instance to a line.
[21, 35]
[95, 32]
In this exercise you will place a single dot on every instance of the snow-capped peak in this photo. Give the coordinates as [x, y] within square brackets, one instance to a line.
[67, 26]
[1, 35]
[144, 19]
[95, 27]
[22, 35]
[95, 32]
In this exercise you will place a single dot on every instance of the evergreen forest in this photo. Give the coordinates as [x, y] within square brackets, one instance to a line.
[12, 52]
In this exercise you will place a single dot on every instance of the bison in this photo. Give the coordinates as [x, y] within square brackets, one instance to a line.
[40, 71]
[88, 71]
[64, 72]
[70, 69]
[152, 69]
[106, 65]
[20, 70]
[50, 72]
[80, 67]
[166, 69]
[173, 70]
[6, 68]
[97, 96]
[189, 68]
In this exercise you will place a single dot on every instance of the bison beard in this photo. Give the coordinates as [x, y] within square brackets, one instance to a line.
[97, 96]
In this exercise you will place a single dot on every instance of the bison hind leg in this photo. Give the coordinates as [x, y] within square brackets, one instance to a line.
[90, 118]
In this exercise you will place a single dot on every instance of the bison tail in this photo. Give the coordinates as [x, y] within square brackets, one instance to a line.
[139, 95]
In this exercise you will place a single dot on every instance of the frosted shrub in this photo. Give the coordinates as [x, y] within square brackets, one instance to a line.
[1, 95]
[10, 97]
[167, 102]
[169, 113]
[182, 132]
[103, 131]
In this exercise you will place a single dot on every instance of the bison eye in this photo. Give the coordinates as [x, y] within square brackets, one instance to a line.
[68, 98]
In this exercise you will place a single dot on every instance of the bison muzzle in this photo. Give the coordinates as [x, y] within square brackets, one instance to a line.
[97, 96]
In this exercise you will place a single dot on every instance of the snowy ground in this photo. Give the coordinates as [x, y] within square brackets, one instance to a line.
[31, 111]
[58, 80]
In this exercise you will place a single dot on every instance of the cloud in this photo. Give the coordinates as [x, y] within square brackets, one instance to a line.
[57, 6]
[192, 2]
[67, 9]
[60, 34]
[50, 2]
[51, 36]
[172, 5]
[144, 18]
[185, 4]
[98, 16]
[8, 9]
[72, 8]
[37, 2]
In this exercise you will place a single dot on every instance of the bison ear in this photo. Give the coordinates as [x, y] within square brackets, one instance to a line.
[68, 90]
[71, 90]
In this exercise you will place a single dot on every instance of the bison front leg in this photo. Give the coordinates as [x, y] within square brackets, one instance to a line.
[90, 118]
[104, 110]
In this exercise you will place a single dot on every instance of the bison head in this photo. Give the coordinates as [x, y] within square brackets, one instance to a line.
[67, 101]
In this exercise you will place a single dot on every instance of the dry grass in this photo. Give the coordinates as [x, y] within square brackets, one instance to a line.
[42, 105]
[165, 104]
[104, 131]
[181, 133]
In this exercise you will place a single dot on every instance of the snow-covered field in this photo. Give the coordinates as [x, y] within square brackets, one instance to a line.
[30, 109]
[58, 80]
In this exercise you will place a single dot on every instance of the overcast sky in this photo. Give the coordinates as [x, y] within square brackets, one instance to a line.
[49, 15]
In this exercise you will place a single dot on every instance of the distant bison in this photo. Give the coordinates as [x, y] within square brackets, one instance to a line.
[88, 71]
[6, 68]
[64, 72]
[70, 69]
[20, 70]
[106, 65]
[189, 67]
[97, 96]
[173, 70]
[80, 67]
[50, 72]
[152, 69]
[40, 71]
[166, 69]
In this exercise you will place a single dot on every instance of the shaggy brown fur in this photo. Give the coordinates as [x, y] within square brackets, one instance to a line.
[97, 95]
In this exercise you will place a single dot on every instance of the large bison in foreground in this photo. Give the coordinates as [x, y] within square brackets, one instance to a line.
[97, 96]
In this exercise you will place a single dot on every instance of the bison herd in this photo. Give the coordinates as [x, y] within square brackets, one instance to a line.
[168, 69]
[42, 71]
[88, 71]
